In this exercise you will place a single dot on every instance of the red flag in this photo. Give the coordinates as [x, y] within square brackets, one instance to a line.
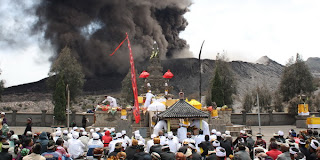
[136, 111]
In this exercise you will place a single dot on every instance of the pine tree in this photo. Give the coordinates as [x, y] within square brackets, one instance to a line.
[216, 90]
[68, 67]
[296, 79]
[59, 101]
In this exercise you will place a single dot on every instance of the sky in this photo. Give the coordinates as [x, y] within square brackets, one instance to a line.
[243, 30]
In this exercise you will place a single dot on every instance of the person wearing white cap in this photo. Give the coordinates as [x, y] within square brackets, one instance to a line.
[125, 138]
[205, 126]
[174, 145]
[75, 146]
[98, 132]
[104, 131]
[84, 139]
[94, 143]
[281, 138]
[221, 153]
[216, 144]
[114, 142]
[57, 135]
[313, 148]
[182, 132]
[303, 149]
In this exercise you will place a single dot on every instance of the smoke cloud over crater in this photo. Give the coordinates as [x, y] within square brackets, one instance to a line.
[92, 29]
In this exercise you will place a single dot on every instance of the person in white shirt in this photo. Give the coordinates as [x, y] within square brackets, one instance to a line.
[174, 145]
[182, 133]
[92, 144]
[75, 146]
[57, 135]
[150, 142]
[149, 97]
[125, 138]
[159, 126]
[205, 126]
[111, 100]
[84, 139]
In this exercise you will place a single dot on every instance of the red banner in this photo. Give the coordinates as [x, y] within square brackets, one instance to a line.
[136, 111]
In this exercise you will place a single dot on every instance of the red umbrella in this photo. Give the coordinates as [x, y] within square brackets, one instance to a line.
[144, 74]
[168, 74]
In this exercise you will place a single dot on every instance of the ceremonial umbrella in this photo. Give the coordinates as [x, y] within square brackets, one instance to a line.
[168, 74]
[157, 106]
[195, 103]
[144, 74]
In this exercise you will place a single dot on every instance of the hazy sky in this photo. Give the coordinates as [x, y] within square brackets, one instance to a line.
[244, 30]
[249, 29]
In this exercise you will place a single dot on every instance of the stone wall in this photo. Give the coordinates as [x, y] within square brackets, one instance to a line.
[17, 118]
[251, 119]
[42, 119]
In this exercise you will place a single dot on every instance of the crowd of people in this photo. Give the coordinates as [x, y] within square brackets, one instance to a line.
[108, 144]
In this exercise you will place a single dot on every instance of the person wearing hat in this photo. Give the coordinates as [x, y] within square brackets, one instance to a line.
[221, 154]
[303, 149]
[28, 126]
[125, 138]
[173, 143]
[4, 155]
[185, 146]
[281, 138]
[98, 132]
[195, 155]
[206, 145]
[260, 142]
[75, 146]
[57, 135]
[274, 152]
[226, 144]
[94, 143]
[312, 148]
[155, 156]
[131, 150]
[141, 154]
[211, 155]
[116, 140]
[85, 140]
[51, 154]
[166, 154]
[242, 154]
[156, 147]
[118, 148]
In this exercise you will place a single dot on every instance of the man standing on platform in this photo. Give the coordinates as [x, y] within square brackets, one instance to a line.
[182, 132]
[149, 97]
